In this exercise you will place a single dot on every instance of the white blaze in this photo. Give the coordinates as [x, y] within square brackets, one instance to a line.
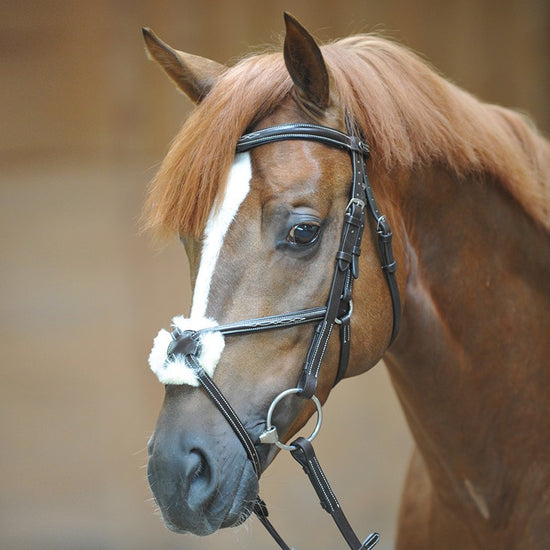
[217, 226]
[175, 371]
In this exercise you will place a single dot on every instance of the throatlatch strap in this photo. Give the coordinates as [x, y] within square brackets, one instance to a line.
[305, 456]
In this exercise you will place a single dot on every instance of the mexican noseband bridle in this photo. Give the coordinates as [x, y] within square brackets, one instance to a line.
[337, 312]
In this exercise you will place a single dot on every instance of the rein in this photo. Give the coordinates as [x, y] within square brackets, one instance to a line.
[338, 311]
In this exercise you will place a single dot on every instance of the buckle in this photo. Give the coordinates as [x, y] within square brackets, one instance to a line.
[359, 146]
[364, 148]
[355, 200]
[345, 319]
[382, 226]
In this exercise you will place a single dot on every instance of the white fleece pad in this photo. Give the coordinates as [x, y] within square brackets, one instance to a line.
[175, 371]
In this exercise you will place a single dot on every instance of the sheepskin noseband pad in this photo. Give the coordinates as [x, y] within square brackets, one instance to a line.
[167, 356]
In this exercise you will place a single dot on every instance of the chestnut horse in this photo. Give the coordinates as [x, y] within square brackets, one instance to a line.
[466, 188]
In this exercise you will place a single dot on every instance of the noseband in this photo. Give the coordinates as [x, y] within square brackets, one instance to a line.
[337, 311]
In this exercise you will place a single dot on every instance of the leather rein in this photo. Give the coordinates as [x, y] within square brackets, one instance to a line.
[337, 311]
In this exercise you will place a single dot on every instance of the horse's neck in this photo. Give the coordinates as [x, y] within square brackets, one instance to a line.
[471, 364]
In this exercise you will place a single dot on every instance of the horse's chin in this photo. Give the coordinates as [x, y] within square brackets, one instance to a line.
[230, 507]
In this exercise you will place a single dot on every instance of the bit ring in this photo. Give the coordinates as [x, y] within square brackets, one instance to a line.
[281, 396]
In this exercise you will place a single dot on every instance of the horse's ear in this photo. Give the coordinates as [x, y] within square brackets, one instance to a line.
[306, 66]
[193, 75]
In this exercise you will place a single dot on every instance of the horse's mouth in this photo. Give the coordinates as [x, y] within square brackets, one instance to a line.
[230, 507]
[207, 525]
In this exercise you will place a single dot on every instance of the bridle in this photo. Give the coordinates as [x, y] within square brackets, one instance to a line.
[337, 311]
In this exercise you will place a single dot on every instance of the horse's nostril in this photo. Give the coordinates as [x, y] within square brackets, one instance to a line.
[199, 475]
[197, 465]
[176, 473]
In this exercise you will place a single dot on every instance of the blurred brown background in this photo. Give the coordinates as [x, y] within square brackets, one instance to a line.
[85, 120]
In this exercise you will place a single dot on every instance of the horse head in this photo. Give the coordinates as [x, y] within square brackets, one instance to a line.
[265, 245]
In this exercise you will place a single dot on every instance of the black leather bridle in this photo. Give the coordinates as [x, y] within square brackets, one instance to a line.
[337, 311]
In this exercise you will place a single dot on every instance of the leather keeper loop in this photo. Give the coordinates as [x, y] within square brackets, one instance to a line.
[390, 268]
[345, 257]
[354, 218]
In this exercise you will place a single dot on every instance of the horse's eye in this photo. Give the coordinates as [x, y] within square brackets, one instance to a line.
[303, 234]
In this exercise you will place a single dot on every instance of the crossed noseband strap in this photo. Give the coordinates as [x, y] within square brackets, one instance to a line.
[337, 312]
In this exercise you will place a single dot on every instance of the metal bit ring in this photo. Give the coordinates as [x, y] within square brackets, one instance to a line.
[271, 428]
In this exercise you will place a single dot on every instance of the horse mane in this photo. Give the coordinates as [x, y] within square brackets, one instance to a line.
[411, 116]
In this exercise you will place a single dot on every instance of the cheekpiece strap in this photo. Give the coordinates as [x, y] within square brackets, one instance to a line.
[339, 305]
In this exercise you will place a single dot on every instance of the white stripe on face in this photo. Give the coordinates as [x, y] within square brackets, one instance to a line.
[238, 186]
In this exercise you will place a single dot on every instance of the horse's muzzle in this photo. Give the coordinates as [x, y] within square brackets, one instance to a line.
[199, 491]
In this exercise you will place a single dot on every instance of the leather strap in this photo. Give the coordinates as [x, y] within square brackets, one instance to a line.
[283, 320]
[306, 457]
[187, 345]
[337, 300]
[299, 131]
[389, 265]
[260, 509]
